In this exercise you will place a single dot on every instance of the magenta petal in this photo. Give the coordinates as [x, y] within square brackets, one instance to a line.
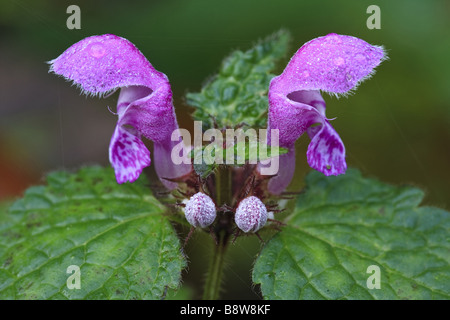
[281, 181]
[152, 115]
[164, 166]
[128, 155]
[333, 63]
[326, 152]
[99, 64]
[130, 94]
[311, 98]
[292, 118]
[294, 114]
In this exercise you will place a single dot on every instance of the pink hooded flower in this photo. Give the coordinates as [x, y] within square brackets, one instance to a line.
[100, 65]
[335, 64]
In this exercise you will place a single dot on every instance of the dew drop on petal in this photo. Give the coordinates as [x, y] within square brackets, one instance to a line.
[339, 61]
[97, 50]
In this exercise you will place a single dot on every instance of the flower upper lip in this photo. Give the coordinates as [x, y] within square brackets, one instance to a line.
[101, 64]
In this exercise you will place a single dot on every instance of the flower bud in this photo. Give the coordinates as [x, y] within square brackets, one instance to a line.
[251, 214]
[200, 210]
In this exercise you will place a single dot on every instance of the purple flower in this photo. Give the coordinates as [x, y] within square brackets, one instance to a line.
[102, 64]
[335, 64]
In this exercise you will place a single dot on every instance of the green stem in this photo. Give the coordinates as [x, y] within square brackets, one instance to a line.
[223, 180]
[223, 185]
[215, 272]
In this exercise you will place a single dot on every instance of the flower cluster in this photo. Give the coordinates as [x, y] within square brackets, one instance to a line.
[334, 64]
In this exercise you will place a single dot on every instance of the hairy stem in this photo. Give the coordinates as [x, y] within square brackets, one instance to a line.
[215, 272]
[221, 231]
[223, 185]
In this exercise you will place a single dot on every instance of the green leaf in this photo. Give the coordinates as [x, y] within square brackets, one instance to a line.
[116, 234]
[341, 226]
[238, 93]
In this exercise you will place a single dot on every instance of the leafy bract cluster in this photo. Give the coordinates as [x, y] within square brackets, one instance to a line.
[238, 93]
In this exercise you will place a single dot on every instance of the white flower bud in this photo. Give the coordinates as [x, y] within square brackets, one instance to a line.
[251, 214]
[200, 210]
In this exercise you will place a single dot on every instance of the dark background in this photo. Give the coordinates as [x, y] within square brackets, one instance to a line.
[395, 126]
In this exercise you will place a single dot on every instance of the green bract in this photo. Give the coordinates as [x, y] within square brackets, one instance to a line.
[238, 93]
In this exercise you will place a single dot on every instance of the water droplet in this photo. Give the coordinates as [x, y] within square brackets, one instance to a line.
[97, 50]
[339, 61]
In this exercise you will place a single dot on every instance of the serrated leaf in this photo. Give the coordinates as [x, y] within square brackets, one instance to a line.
[238, 93]
[116, 234]
[341, 226]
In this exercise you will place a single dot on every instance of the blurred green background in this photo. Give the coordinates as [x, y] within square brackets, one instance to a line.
[395, 127]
